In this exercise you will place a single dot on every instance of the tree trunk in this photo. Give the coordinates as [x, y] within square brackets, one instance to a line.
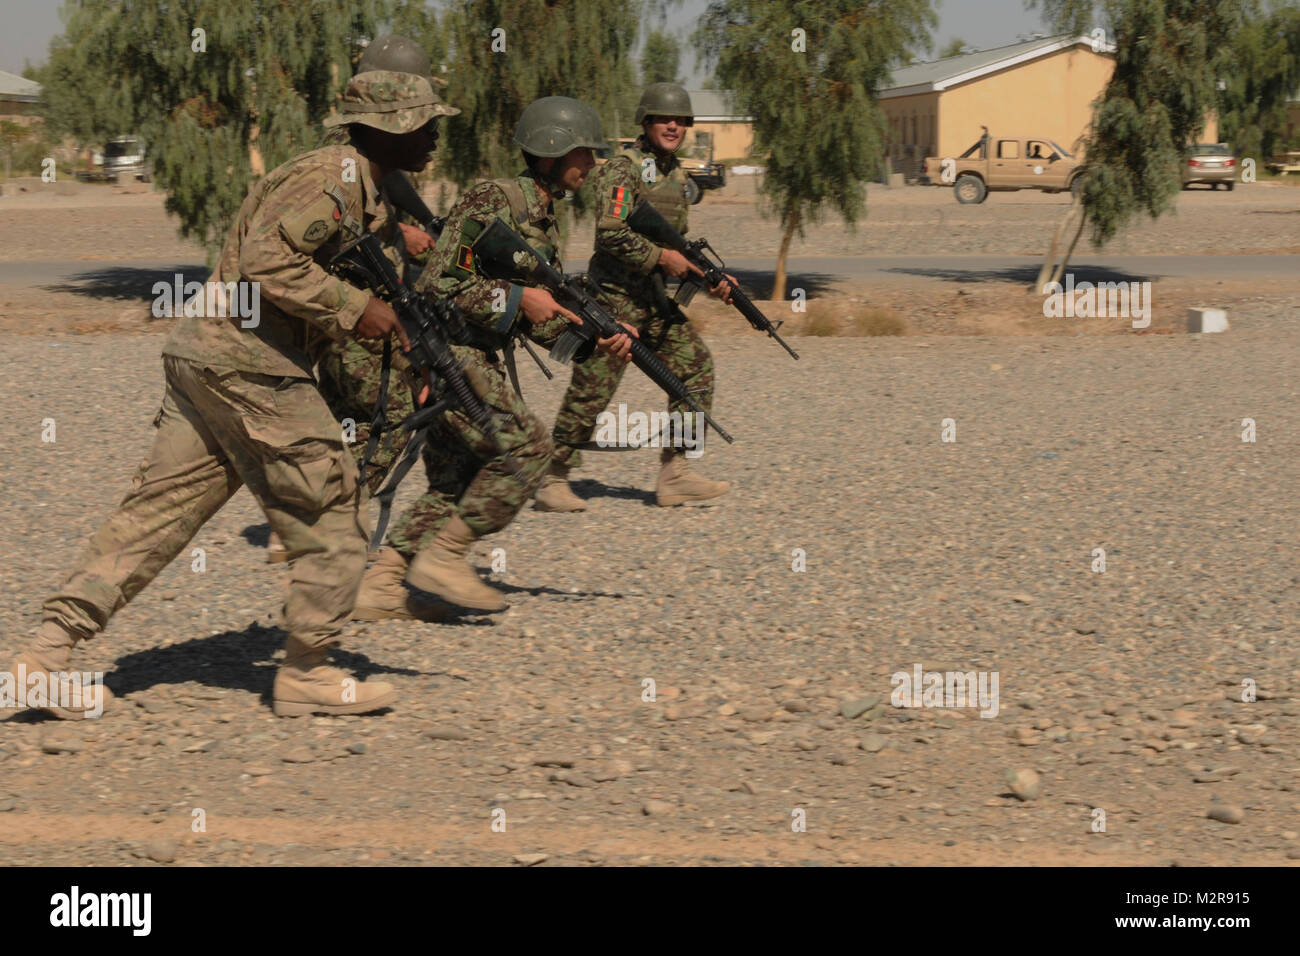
[1051, 271]
[778, 283]
[1078, 231]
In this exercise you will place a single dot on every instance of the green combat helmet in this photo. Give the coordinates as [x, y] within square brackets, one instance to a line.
[388, 101]
[554, 125]
[398, 54]
[665, 99]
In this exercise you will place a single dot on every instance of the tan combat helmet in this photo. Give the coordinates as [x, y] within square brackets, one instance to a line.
[389, 101]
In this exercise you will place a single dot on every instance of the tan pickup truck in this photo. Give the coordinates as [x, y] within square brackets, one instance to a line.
[1005, 164]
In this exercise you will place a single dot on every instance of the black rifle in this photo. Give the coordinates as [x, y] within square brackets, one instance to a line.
[648, 221]
[501, 253]
[398, 188]
[426, 323]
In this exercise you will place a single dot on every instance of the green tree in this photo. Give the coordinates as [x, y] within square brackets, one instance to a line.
[507, 53]
[418, 20]
[1264, 74]
[11, 134]
[808, 73]
[218, 91]
[660, 58]
[954, 48]
[1169, 57]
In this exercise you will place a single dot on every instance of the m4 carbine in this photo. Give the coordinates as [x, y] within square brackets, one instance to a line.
[647, 221]
[427, 323]
[401, 192]
[398, 188]
[501, 253]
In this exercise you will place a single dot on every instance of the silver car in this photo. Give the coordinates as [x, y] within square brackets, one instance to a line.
[1211, 163]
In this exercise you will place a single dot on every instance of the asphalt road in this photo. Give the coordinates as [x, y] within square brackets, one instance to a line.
[85, 276]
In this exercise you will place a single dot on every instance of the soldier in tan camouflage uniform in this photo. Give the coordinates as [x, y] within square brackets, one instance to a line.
[241, 407]
[471, 491]
[623, 265]
[354, 395]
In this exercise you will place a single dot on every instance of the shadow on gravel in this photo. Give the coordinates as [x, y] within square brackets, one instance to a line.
[257, 535]
[1022, 275]
[235, 660]
[128, 282]
[590, 488]
[758, 282]
[542, 589]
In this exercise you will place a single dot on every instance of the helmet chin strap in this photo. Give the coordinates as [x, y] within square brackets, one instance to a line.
[553, 185]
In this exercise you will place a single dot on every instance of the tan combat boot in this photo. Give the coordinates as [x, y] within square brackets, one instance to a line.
[554, 494]
[442, 569]
[305, 685]
[276, 552]
[384, 596]
[56, 690]
[678, 486]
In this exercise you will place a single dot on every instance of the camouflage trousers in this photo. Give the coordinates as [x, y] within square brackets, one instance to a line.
[594, 381]
[219, 429]
[465, 469]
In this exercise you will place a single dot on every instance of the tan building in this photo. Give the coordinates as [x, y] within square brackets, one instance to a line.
[1043, 87]
[18, 99]
[715, 117]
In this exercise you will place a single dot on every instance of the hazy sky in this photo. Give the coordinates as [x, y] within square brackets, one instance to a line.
[28, 25]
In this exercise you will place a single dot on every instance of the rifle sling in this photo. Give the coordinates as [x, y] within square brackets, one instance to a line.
[386, 494]
[379, 416]
[508, 353]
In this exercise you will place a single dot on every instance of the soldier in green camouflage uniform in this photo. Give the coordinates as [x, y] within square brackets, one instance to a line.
[241, 407]
[471, 491]
[624, 265]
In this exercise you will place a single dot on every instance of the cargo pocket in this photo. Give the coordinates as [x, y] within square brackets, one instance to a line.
[301, 450]
[304, 470]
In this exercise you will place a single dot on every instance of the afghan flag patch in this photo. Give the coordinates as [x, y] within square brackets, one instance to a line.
[620, 203]
[465, 258]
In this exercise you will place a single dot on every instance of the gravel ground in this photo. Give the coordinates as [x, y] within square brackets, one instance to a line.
[97, 223]
[1121, 690]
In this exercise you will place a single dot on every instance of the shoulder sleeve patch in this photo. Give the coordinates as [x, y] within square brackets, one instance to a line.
[620, 202]
[463, 264]
[307, 227]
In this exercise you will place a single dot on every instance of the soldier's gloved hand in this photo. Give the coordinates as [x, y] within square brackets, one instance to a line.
[538, 306]
[723, 289]
[379, 321]
[417, 240]
[676, 264]
[619, 346]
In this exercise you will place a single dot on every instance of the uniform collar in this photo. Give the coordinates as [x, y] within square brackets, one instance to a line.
[369, 189]
[539, 207]
[664, 166]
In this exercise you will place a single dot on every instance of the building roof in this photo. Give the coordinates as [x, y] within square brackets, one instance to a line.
[939, 75]
[15, 87]
[715, 106]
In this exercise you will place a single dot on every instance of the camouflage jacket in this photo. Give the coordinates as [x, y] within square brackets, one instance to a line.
[453, 274]
[341, 135]
[623, 259]
[292, 221]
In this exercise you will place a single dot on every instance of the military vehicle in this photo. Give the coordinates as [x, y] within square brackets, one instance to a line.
[122, 156]
[1005, 164]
